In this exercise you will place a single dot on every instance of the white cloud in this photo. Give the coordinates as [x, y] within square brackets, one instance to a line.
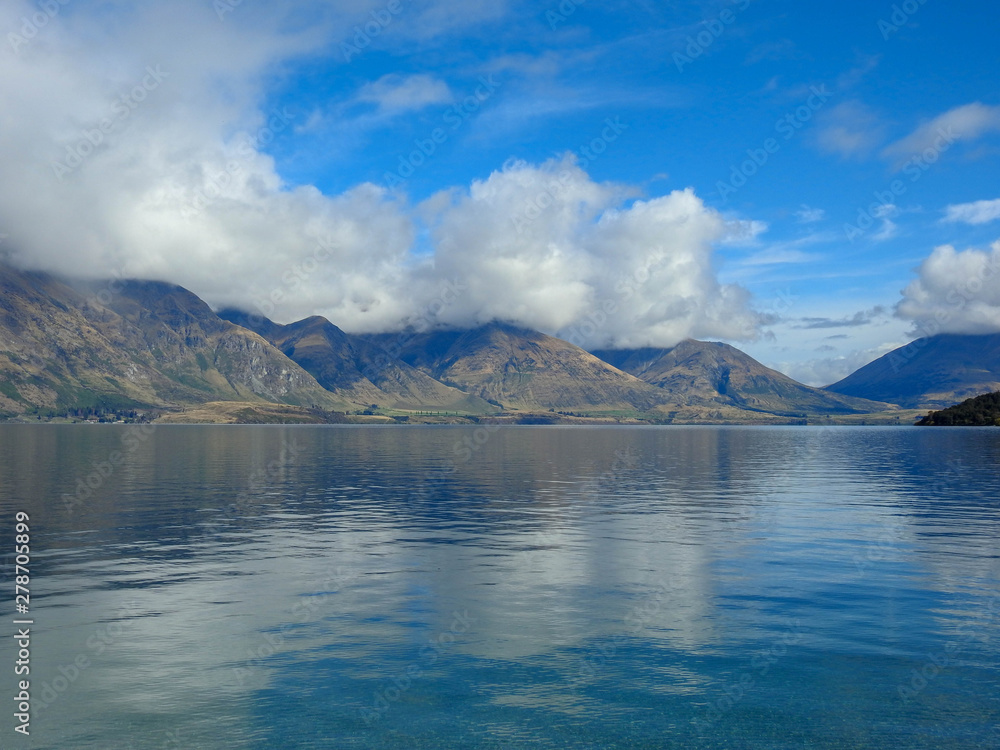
[743, 232]
[849, 129]
[547, 247]
[889, 229]
[786, 252]
[807, 215]
[955, 292]
[979, 212]
[966, 123]
[182, 190]
[394, 93]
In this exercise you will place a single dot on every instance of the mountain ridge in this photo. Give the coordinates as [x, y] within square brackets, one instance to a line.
[932, 372]
[354, 368]
[67, 345]
[523, 369]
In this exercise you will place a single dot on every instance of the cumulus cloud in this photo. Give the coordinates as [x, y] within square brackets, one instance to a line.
[979, 212]
[150, 161]
[547, 247]
[955, 292]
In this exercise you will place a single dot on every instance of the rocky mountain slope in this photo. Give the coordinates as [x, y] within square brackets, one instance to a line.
[518, 368]
[144, 344]
[357, 369]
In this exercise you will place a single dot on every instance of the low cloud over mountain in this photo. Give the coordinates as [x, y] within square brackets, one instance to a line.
[154, 162]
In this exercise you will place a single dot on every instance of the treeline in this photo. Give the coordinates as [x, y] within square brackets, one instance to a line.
[99, 414]
[981, 411]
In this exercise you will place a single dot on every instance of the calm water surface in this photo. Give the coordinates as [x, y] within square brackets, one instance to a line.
[411, 587]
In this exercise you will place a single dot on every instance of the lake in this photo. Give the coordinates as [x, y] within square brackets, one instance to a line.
[522, 587]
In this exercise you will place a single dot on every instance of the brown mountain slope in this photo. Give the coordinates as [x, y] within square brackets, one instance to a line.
[181, 337]
[699, 372]
[526, 370]
[53, 357]
[357, 369]
[148, 344]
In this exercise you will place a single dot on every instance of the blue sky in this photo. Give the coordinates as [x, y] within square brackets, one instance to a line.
[793, 127]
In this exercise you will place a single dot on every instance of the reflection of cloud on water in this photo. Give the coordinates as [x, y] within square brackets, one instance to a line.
[540, 536]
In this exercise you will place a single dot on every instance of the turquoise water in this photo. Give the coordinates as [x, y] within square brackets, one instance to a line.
[542, 587]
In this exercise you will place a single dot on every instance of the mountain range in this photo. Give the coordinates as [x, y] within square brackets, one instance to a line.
[71, 348]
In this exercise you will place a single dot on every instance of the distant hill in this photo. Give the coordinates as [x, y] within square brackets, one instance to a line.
[356, 369]
[699, 372]
[932, 372]
[523, 369]
[980, 411]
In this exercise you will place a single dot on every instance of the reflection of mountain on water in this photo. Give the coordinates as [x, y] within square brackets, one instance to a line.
[358, 546]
